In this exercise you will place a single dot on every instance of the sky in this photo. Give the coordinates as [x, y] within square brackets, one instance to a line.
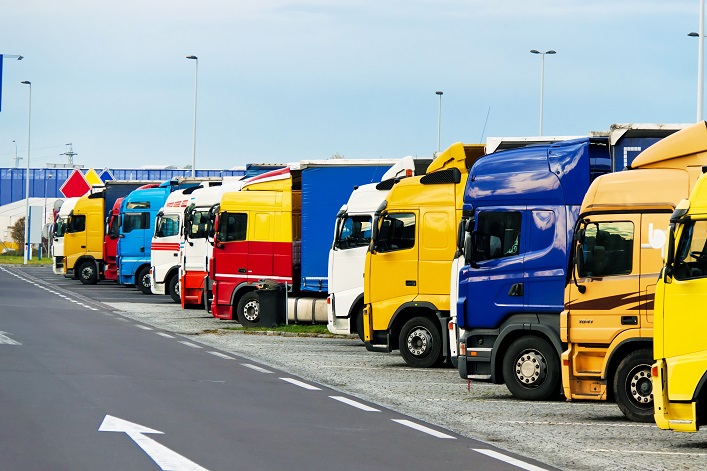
[282, 81]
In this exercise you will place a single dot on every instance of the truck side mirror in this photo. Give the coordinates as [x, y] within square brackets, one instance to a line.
[470, 249]
[670, 259]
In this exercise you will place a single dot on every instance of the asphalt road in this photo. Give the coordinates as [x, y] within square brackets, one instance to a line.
[84, 388]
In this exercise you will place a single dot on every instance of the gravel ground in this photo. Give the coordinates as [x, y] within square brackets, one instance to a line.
[571, 436]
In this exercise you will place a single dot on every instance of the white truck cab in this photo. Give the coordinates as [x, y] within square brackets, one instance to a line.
[58, 230]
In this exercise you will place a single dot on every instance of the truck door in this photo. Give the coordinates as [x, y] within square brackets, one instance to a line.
[136, 226]
[495, 285]
[609, 269]
[393, 272]
[261, 251]
[683, 326]
[231, 250]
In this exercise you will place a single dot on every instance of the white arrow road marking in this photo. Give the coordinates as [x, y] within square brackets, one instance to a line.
[165, 458]
[4, 339]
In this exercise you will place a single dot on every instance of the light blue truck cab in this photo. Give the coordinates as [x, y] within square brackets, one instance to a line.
[520, 207]
[137, 218]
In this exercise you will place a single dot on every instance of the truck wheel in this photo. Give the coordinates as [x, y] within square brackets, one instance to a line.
[633, 389]
[248, 311]
[142, 280]
[359, 323]
[531, 369]
[173, 289]
[420, 343]
[87, 273]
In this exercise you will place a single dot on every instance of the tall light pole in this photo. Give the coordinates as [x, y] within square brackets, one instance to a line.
[542, 81]
[29, 128]
[700, 62]
[439, 117]
[193, 144]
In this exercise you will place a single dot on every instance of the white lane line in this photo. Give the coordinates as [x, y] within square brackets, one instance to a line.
[122, 319]
[351, 402]
[422, 428]
[508, 459]
[189, 344]
[143, 327]
[256, 368]
[644, 452]
[301, 384]
[221, 355]
[162, 334]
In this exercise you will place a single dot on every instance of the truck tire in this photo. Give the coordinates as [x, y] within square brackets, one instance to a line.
[248, 310]
[142, 280]
[173, 289]
[633, 389]
[88, 273]
[420, 343]
[531, 369]
[359, 323]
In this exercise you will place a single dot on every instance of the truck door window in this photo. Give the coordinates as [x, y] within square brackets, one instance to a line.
[498, 235]
[355, 232]
[691, 255]
[60, 227]
[76, 224]
[135, 221]
[233, 227]
[397, 232]
[167, 225]
[113, 227]
[200, 225]
[607, 249]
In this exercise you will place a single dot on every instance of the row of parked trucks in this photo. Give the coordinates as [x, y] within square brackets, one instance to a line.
[534, 263]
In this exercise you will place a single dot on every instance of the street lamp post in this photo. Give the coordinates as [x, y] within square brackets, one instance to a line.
[542, 81]
[439, 117]
[29, 128]
[193, 144]
[700, 61]
[44, 218]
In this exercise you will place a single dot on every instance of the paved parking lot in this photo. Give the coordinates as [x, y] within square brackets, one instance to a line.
[572, 436]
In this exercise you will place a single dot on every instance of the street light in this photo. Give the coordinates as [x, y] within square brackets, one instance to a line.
[542, 82]
[700, 61]
[29, 128]
[193, 145]
[17, 159]
[439, 117]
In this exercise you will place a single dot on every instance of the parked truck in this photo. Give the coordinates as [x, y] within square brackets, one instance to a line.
[277, 228]
[85, 231]
[166, 240]
[195, 247]
[407, 266]
[58, 230]
[679, 375]
[520, 207]
[137, 217]
[347, 256]
[607, 323]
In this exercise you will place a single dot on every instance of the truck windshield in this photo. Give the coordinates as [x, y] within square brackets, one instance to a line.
[167, 225]
[691, 255]
[200, 225]
[355, 232]
[60, 227]
[76, 224]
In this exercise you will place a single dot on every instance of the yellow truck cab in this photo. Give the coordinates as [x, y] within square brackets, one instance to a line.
[83, 240]
[408, 264]
[680, 347]
[620, 237]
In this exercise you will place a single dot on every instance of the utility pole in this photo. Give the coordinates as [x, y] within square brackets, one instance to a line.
[70, 154]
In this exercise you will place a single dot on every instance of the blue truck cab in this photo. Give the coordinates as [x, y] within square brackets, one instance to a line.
[137, 216]
[520, 207]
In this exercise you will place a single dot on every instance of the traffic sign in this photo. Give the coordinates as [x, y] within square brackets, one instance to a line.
[75, 185]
